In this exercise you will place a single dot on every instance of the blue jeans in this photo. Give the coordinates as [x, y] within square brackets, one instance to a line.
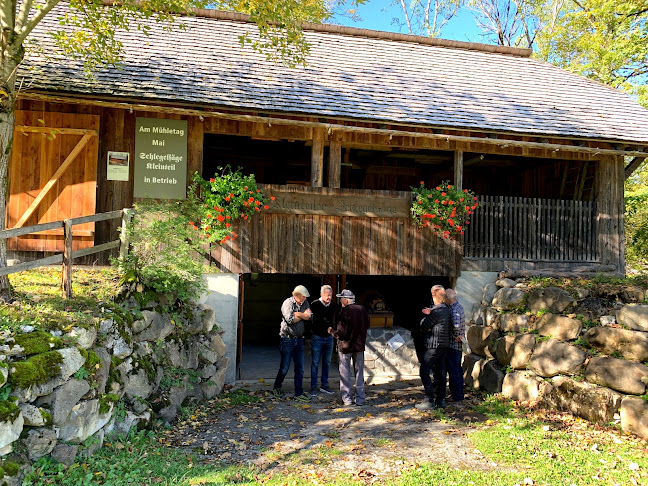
[291, 349]
[321, 349]
[455, 374]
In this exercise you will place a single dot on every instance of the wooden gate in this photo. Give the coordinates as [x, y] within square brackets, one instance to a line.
[52, 177]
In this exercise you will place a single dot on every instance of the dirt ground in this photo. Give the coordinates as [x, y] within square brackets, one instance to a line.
[378, 440]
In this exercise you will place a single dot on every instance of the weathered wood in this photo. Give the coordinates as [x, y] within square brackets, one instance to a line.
[123, 235]
[97, 217]
[458, 169]
[576, 272]
[96, 249]
[26, 230]
[66, 275]
[55, 131]
[41, 262]
[317, 159]
[335, 163]
[609, 196]
[54, 179]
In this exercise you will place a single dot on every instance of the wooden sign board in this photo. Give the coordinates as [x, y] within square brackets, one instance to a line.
[338, 205]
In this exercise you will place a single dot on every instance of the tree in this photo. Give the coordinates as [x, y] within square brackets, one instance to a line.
[427, 17]
[605, 40]
[93, 40]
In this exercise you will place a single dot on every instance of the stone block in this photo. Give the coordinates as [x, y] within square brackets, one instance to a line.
[65, 397]
[489, 292]
[553, 357]
[65, 454]
[553, 299]
[217, 345]
[524, 386]
[508, 298]
[482, 340]
[160, 327]
[122, 426]
[516, 350]
[482, 373]
[634, 416]
[32, 415]
[582, 399]
[633, 316]
[505, 282]
[84, 421]
[514, 323]
[618, 374]
[633, 345]
[103, 373]
[559, 327]
[39, 442]
[10, 430]
[138, 385]
[492, 317]
[85, 338]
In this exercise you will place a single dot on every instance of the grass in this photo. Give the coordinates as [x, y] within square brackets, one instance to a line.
[39, 300]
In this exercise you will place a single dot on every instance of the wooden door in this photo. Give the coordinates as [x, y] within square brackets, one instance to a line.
[52, 177]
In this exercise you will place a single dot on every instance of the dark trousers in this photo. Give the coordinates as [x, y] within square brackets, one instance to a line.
[455, 374]
[291, 349]
[321, 350]
[432, 363]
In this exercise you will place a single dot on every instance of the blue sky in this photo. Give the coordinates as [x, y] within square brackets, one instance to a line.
[378, 15]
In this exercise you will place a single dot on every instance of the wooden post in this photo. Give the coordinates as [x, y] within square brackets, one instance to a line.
[123, 236]
[335, 164]
[609, 199]
[67, 260]
[458, 169]
[317, 159]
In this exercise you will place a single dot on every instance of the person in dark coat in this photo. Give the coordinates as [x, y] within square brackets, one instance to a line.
[322, 342]
[436, 328]
[351, 333]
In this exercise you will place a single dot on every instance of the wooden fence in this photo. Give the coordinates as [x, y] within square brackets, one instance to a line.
[532, 229]
[68, 256]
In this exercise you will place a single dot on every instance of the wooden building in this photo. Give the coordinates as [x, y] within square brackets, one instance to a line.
[371, 115]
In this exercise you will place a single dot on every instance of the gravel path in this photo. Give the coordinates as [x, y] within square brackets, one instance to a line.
[322, 438]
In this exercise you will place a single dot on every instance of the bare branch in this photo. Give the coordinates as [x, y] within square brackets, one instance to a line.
[33, 21]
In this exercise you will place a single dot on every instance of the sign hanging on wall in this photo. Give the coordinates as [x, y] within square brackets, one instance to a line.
[160, 158]
[337, 204]
[117, 169]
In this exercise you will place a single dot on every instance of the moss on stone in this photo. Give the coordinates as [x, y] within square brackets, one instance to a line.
[38, 342]
[91, 362]
[47, 417]
[144, 363]
[8, 411]
[10, 468]
[105, 402]
[35, 370]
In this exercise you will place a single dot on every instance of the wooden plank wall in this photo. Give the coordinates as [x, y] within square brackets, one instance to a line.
[515, 228]
[313, 244]
[35, 158]
[609, 194]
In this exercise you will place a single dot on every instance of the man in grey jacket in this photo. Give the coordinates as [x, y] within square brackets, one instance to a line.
[295, 310]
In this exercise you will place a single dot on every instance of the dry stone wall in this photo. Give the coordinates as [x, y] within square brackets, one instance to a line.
[63, 393]
[579, 351]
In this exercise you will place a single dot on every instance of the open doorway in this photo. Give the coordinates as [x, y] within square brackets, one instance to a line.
[390, 300]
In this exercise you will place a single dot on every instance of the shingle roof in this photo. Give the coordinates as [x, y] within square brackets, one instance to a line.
[356, 77]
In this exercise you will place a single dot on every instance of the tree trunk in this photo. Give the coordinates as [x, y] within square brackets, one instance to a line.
[7, 100]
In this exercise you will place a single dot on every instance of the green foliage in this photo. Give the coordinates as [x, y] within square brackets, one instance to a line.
[636, 227]
[175, 377]
[37, 342]
[8, 411]
[225, 199]
[495, 407]
[606, 40]
[444, 209]
[81, 374]
[5, 392]
[165, 252]
[35, 370]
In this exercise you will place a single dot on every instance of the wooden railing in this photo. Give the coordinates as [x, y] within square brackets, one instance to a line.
[68, 256]
[531, 229]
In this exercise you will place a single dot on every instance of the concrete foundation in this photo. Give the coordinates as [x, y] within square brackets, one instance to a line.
[223, 296]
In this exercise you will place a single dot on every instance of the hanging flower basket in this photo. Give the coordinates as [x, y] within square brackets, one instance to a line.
[224, 201]
[443, 209]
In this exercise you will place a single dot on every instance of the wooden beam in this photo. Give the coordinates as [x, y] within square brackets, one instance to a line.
[54, 179]
[502, 143]
[633, 165]
[55, 131]
[335, 164]
[317, 159]
[609, 199]
[458, 169]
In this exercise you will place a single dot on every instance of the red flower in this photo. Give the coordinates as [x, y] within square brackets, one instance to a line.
[444, 202]
[465, 190]
[266, 207]
[212, 180]
[449, 186]
[436, 201]
[227, 199]
[461, 199]
[422, 183]
[429, 196]
[191, 223]
[257, 209]
[221, 218]
[450, 202]
[227, 225]
[245, 217]
[438, 188]
[432, 216]
[228, 217]
[272, 198]
[420, 202]
[474, 198]
[258, 191]
[443, 193]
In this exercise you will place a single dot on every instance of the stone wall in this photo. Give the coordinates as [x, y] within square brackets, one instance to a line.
[62, 393]
[582, 351]
[389, 352]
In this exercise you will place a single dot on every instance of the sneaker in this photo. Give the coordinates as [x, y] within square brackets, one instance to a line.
[424, 405]
[359, 404]
[302, 398]
[327, 389]
[347, 404]
[313, 392]
[441, 404]
[277, 392]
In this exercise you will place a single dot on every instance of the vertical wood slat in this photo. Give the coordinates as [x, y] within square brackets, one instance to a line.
[335, 164]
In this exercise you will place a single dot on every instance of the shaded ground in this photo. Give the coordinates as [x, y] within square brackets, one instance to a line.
[324, 439]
